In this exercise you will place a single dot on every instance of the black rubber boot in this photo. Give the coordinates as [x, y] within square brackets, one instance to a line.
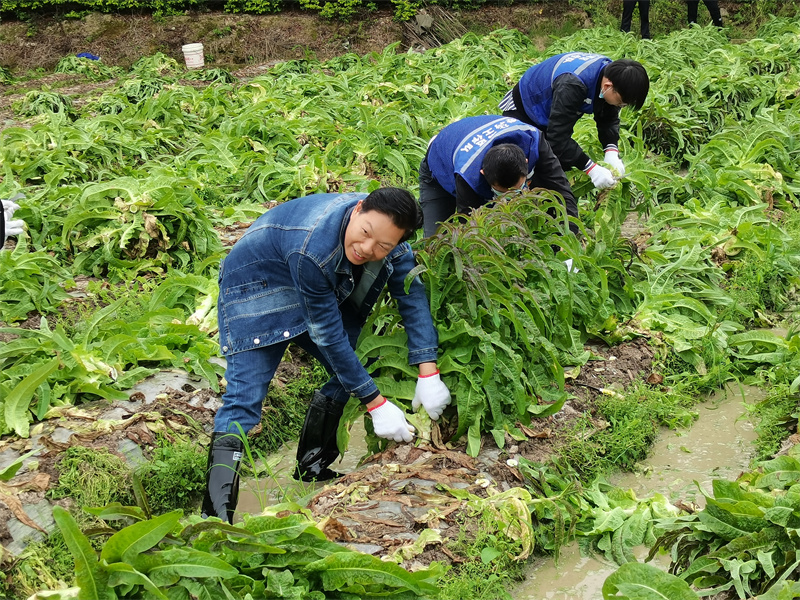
[317, 447]
[222, 476]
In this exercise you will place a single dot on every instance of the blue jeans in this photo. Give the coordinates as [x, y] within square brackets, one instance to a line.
[250, 372]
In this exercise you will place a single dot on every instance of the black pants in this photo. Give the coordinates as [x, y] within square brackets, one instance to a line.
[644, 16]
[436, 202]
[713, 10]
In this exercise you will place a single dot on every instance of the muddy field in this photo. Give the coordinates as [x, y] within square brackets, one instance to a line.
[378, 508]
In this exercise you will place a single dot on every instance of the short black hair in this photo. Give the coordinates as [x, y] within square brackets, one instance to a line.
[504, 164]
[630, 81]
[397, 204]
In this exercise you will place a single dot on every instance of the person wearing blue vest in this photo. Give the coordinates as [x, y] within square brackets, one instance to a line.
[309, 272]
[555, 93]
[473, 160]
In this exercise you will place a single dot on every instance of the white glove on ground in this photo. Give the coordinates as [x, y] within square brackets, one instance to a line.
[390, 423]
[614, 161]
[601, 177]
[431, 393]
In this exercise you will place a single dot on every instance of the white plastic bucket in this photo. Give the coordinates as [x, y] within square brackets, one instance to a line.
[193, 55]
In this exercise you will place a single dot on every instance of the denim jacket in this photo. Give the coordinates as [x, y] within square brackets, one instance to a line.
[289, 274]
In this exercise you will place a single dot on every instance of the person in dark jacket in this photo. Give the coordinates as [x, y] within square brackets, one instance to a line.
[555, 93]
[713, 10]
[309, 272]
[644, 16]
[473, 160]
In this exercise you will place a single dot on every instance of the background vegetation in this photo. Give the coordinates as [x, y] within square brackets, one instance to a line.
[666, 15]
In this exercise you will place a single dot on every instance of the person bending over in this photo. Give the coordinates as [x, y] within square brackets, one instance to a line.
[309, 272]
[473, 160]
[555, 93]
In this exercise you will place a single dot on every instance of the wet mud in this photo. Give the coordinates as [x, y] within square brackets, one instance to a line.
[379, 506]
[718, 446]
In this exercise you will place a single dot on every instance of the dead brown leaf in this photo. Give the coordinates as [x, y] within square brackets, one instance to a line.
[141, 435]
[403, 499]
[531, 433]
[514, 471]
[34, 482]
[436, 437]
[689, 507]
[459, 458]
[334, 530]
[82, 439]
[52, 445]
[456, 559]
[15, 506]
[387, 523]
[151, 225]
[655, 379]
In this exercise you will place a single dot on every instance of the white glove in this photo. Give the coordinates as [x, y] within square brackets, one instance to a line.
[9, 208]
[14, 227]
[10, 205]
[613, 159]
[601, 177]
[570, 268]
[390, 423]
[431, 393]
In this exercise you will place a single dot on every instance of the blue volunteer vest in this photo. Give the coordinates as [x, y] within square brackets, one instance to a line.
[536, 85]
[460, 147]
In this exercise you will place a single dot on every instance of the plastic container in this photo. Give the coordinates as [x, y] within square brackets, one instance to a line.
[193, 55]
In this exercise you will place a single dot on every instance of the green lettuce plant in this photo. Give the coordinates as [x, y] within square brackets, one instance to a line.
[265, 556]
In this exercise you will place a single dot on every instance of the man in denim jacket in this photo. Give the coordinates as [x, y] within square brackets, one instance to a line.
[309, 272]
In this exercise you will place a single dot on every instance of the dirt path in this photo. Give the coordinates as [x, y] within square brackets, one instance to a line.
[234, 41]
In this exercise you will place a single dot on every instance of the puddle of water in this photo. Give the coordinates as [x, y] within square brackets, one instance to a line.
[256, 494]
[718, 445]
[575, 577]
[174, 378]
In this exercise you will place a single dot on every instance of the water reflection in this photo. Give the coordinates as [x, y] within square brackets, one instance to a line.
[277, 485]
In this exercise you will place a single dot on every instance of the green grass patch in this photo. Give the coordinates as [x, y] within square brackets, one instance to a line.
[634, 418]
[777, 416]
[489, 566]
[6, 77]
[175, 476]
[47, 564]
[92, 477]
